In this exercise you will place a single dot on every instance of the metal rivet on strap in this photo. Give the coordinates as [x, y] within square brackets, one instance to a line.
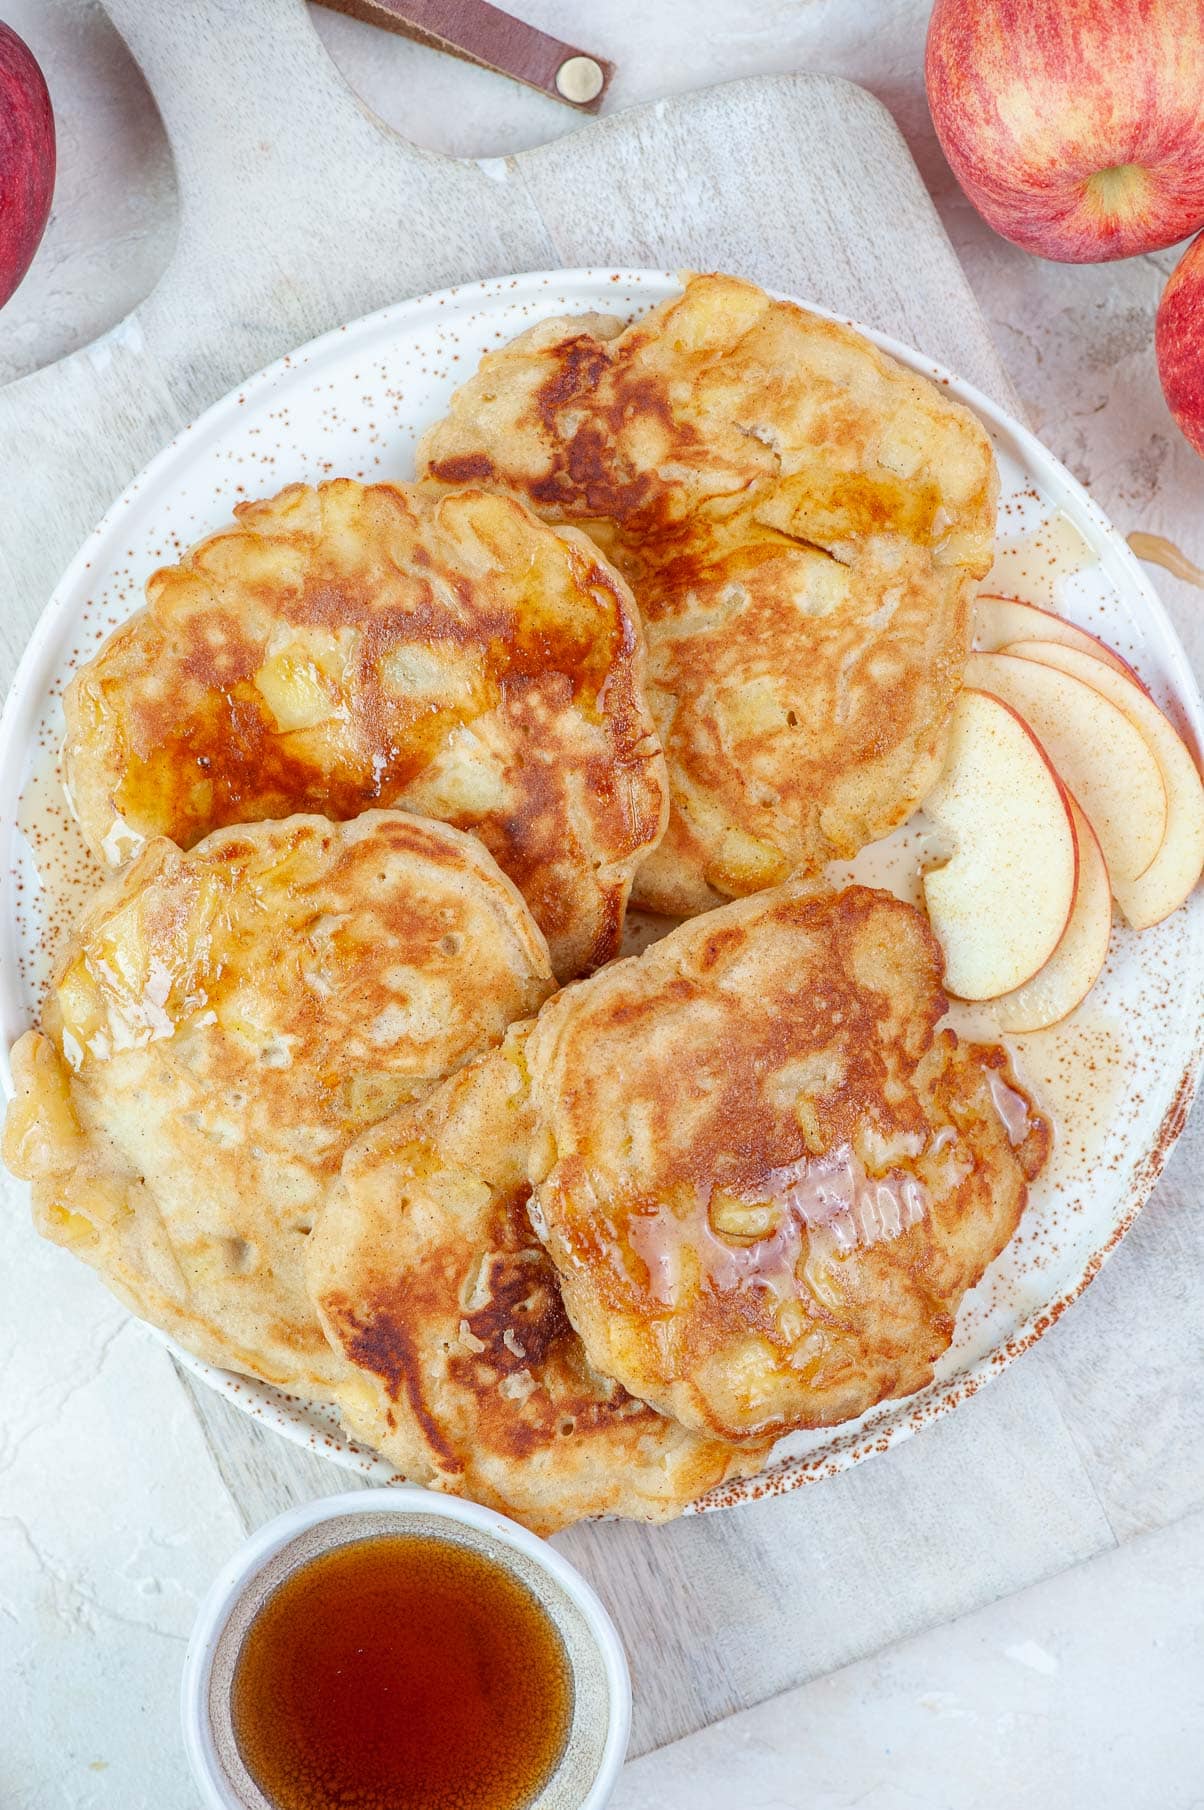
[579, 79]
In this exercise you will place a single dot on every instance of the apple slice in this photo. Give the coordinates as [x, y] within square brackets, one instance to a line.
[1000, 903]
[1176, 867]
[999, 621]
[1073, 968]
[1106, 763]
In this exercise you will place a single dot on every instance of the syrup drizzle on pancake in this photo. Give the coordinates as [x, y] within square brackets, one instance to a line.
[830, 1201]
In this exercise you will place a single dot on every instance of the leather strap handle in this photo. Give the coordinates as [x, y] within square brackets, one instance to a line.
[485, 35]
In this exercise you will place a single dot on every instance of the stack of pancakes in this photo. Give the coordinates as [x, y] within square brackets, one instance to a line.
[676, 614]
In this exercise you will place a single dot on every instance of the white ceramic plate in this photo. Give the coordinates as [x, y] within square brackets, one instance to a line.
[1117, 1078]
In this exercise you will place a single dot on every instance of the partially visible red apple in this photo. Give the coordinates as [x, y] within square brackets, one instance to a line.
[26, 159]
[1179, 342]
[1076, 127]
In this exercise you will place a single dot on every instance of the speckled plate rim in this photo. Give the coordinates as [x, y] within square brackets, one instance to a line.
[892, 1422]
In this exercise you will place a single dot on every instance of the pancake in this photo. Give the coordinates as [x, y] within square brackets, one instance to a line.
[764, 1174]
[361, 645]
[802, 521]
[224, 1023]
[462, 1367]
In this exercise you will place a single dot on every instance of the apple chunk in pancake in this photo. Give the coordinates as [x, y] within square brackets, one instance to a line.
[1073, 968]
[998, 621]
[1176, 867]
[1000, 903]
[1105, 761]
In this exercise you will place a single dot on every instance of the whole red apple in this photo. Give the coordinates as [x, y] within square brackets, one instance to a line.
[26, 159]
[1076, 127]
[1179, 343]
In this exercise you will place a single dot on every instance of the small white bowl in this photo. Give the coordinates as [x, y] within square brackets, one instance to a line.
[597, 1739]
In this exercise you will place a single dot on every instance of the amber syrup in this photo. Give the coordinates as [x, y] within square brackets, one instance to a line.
[402, 1672]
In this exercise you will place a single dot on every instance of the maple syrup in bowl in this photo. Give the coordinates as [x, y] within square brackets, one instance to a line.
[403, 1651]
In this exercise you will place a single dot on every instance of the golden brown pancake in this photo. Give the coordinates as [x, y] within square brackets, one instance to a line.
[802, 521]
[361, 645]
[461, 1365]
[224, 1023]
[764, 1175]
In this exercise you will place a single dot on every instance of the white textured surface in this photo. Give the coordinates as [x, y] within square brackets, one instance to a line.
[111, 1522]
[113, 218]
[111, 1525]
[1080, 1694]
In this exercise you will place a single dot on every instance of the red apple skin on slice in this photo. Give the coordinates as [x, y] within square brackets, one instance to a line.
[1177, 866]
[1074, 967]
[1107, 764]
[998, 621]
[999, 905]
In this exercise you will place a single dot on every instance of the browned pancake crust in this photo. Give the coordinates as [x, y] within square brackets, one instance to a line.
[767, 1178]
[463, 1367]
[360, 645]
[224, 1023]
[802, 521]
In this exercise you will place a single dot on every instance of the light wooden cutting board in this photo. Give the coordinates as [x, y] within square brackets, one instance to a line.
[300, 210]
